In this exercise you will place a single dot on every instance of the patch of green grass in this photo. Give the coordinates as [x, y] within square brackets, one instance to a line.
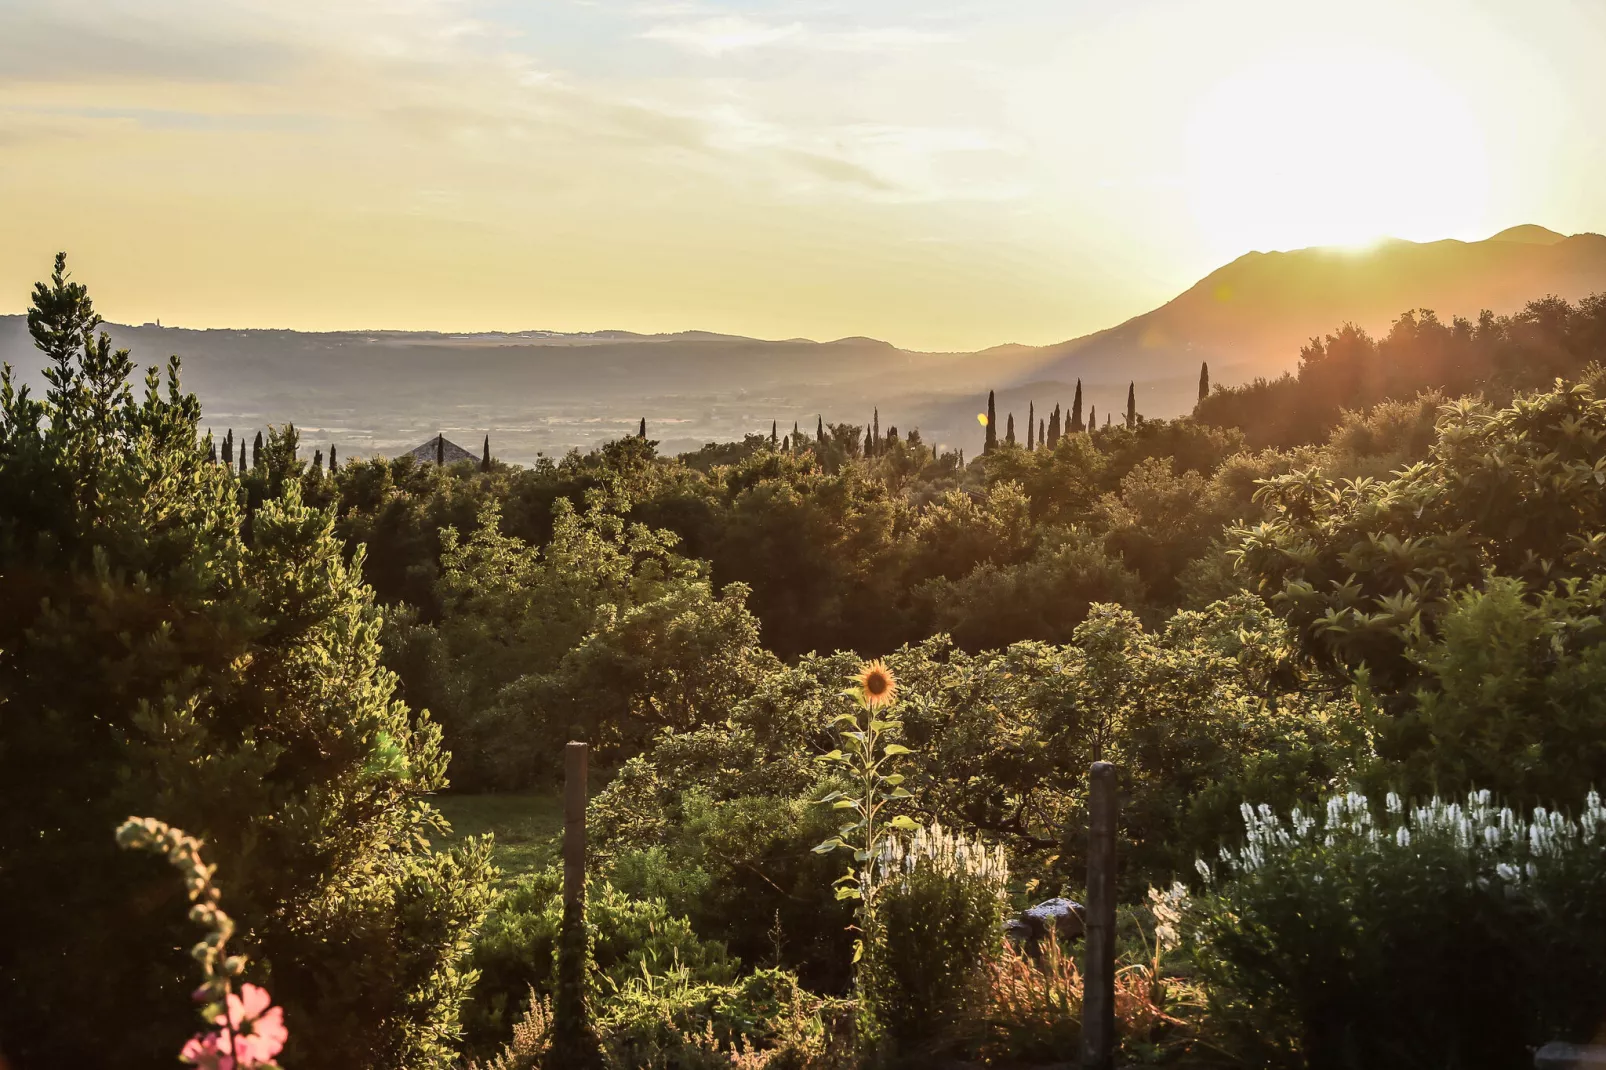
[528, 827]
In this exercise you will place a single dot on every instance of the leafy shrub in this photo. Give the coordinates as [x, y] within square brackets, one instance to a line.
[938, 920]
[1449, 934]
[631, 939]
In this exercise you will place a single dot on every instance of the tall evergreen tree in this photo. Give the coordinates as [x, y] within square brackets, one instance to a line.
[1204, 380]
[819, 429]
[1009, 434]
[642, 431]
[1076, 409]
[990, 439]
[1054, 428]
[333, 464]
[440, 450]
[1042, 432]
[1031, 425]
[211, 451]
[875, 426]
[485, 455]
[256, 450]
[1131, 405]
[1092, 417]
[235, 691]
[317, 460]
[773, 437]
[228, 447]
[242, 456]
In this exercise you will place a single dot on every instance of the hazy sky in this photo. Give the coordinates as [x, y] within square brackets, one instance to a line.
[942, 174]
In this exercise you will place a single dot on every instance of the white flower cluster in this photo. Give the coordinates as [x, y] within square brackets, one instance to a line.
[951, 854]
[1474, 826]
[1168, 907]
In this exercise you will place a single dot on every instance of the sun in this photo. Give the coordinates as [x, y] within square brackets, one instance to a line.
[1334, 147]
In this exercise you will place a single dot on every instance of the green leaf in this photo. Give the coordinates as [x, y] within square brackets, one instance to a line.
[895, 748]
[858, 951]
[894, 780]
[845, 804]
[899, 793]
[904, 823]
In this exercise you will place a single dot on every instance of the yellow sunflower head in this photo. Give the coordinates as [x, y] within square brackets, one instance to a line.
[877, 684]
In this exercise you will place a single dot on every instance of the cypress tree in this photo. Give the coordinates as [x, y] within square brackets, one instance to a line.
[1092, 417]
[819, 429]
[1131, 405]
[228, 447]
[317, 460]
[875, 426]
[1042, 432]
[990, 440]
[242, 456]
[333, 464]
[440, 450]
[773, 438]
[1009, 435]
[485, 455]
[1106, 421]
[256, 451]
[1054, 428]
[642, 432]
[1031, 425]
[211, 451]
[1076, 409]
[1204, 379]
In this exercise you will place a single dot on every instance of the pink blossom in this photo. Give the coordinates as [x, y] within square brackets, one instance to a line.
[209, 1051]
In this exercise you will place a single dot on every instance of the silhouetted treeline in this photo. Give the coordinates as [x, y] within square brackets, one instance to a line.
[1496, 356]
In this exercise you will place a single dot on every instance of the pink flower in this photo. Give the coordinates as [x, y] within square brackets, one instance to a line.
[255, 1028]
[209, 1051]
[259, 1032]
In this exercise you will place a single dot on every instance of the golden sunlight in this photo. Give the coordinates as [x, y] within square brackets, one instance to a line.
[1334, 148]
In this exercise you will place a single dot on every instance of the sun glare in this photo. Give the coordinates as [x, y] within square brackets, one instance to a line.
[1334, 148]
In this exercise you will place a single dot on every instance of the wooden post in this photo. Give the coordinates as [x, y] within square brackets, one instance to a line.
[1098, 976]
[574, 824]
[574, 1044]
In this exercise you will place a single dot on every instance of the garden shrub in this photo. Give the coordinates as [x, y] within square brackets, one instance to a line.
[937, 921]
[1448, 934]
[516, 950]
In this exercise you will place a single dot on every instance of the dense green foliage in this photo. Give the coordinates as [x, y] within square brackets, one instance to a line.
[153, 661]
[1351, 577]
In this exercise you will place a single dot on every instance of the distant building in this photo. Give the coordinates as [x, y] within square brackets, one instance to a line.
[445, 448]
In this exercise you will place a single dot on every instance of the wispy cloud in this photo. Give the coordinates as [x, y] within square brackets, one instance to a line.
[721, 34]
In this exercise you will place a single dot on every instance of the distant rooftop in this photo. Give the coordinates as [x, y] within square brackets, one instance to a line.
[450, 451]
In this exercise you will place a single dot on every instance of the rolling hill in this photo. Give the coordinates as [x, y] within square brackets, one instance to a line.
[544, 392]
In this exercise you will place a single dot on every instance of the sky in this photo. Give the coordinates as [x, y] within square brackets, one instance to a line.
[945, 175]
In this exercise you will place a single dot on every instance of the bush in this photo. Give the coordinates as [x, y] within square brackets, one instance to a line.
[1443, 935]
[515, 951]
[936, 922]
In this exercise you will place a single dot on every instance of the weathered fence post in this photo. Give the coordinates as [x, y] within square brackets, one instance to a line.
[573, 1042]
[1098, 976]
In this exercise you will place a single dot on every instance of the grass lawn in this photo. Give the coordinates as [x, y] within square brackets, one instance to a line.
[528, 828]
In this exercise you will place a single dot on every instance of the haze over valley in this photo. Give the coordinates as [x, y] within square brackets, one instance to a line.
[539, 392]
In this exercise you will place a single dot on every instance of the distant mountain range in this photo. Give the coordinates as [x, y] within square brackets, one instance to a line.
[542, 391]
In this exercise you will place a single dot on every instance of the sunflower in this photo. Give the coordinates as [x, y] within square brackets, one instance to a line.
[877, 684]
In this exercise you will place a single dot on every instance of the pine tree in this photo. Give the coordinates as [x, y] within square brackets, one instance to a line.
[1009, 435]
[875, 427]
[333, 464]
[256, 451]
[990, 439]
[819, 429]
[440, 450]
[211, 451]
[1031, 425]
[1131, 405]
[1106, 421]
[1054, 428]
[1092, 417]
[1204, 380]
[485, 455]
[317, 460]
[1042, 432]
[1076, 409]
[773, 437]
[642, 432]
[228, 447]
[242, 456]
[255, 713]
